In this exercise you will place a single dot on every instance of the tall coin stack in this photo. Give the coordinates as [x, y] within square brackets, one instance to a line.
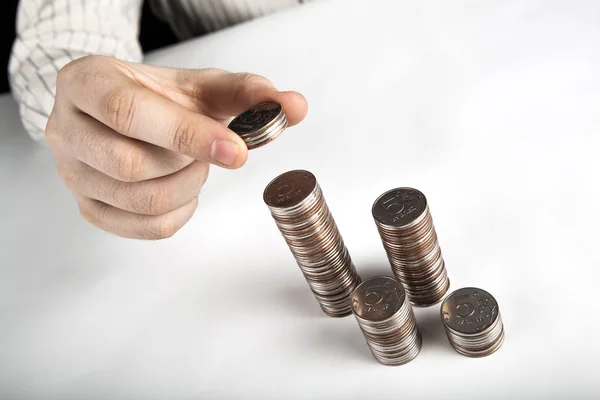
[472, 321]
[387, 321]
[297, 205]
[406, 228]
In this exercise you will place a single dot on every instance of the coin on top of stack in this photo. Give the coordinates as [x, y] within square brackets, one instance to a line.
[408, 235]
[298, 207]
[387, 320]
[260, 124]
[472, 321]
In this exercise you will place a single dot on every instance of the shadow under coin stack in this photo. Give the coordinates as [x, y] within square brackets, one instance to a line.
[406, 228]
[297, 205]
[472, 320]
[260, 124]
[387, 320]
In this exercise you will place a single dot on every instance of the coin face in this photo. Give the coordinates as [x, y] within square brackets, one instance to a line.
[255, 119]
[469, 310]
[289, 189]
[399, 207]
[378, 298]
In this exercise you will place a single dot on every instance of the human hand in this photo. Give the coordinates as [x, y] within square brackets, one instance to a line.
[133, 143]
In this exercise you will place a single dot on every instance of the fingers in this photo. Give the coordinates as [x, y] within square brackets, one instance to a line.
[219, 93]
[129, 225]
[151, 197]
[140, 113]
[105, 150]
[228, 94]
[134, 143]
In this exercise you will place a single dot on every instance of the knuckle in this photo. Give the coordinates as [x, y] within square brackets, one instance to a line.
[79, 73]
[51, 131]
[128, 163]
[184, 137]
[86, 214]
[163, 228]
[247, 79]
[246, 84]
[118, 106]
[67, 73]
[74, 69]
[92, 212]
[70, 177]
[92, 59]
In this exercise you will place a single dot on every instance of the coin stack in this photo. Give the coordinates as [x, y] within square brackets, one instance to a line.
[298, 207]
[472, 321]
[260, 124]
[387, 320]
[406, 228]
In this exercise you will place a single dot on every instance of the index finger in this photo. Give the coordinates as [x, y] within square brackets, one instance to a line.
[140, 113]
[232, 93]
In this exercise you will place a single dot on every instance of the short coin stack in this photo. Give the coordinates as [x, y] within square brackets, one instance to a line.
[297, 205]
[472, 321]
[260, 124]
[387, 321]
[406, 228]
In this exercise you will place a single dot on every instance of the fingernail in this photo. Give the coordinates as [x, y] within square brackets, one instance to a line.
[225, 151]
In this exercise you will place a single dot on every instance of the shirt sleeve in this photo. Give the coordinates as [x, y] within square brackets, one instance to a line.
[51, 33]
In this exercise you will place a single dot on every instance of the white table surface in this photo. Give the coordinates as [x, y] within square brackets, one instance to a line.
[490, 108]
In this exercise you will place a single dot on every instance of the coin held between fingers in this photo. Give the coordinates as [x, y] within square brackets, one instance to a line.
[260, 124]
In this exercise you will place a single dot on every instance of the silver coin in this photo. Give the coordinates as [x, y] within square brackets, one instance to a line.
[260, 124]
[409, 238]
[469, 311]
[387, 320]
[289, 189]
[399, 207]
[378, 298]
[472, 320]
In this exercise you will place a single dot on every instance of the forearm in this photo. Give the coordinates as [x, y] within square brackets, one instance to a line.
[52, 33]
